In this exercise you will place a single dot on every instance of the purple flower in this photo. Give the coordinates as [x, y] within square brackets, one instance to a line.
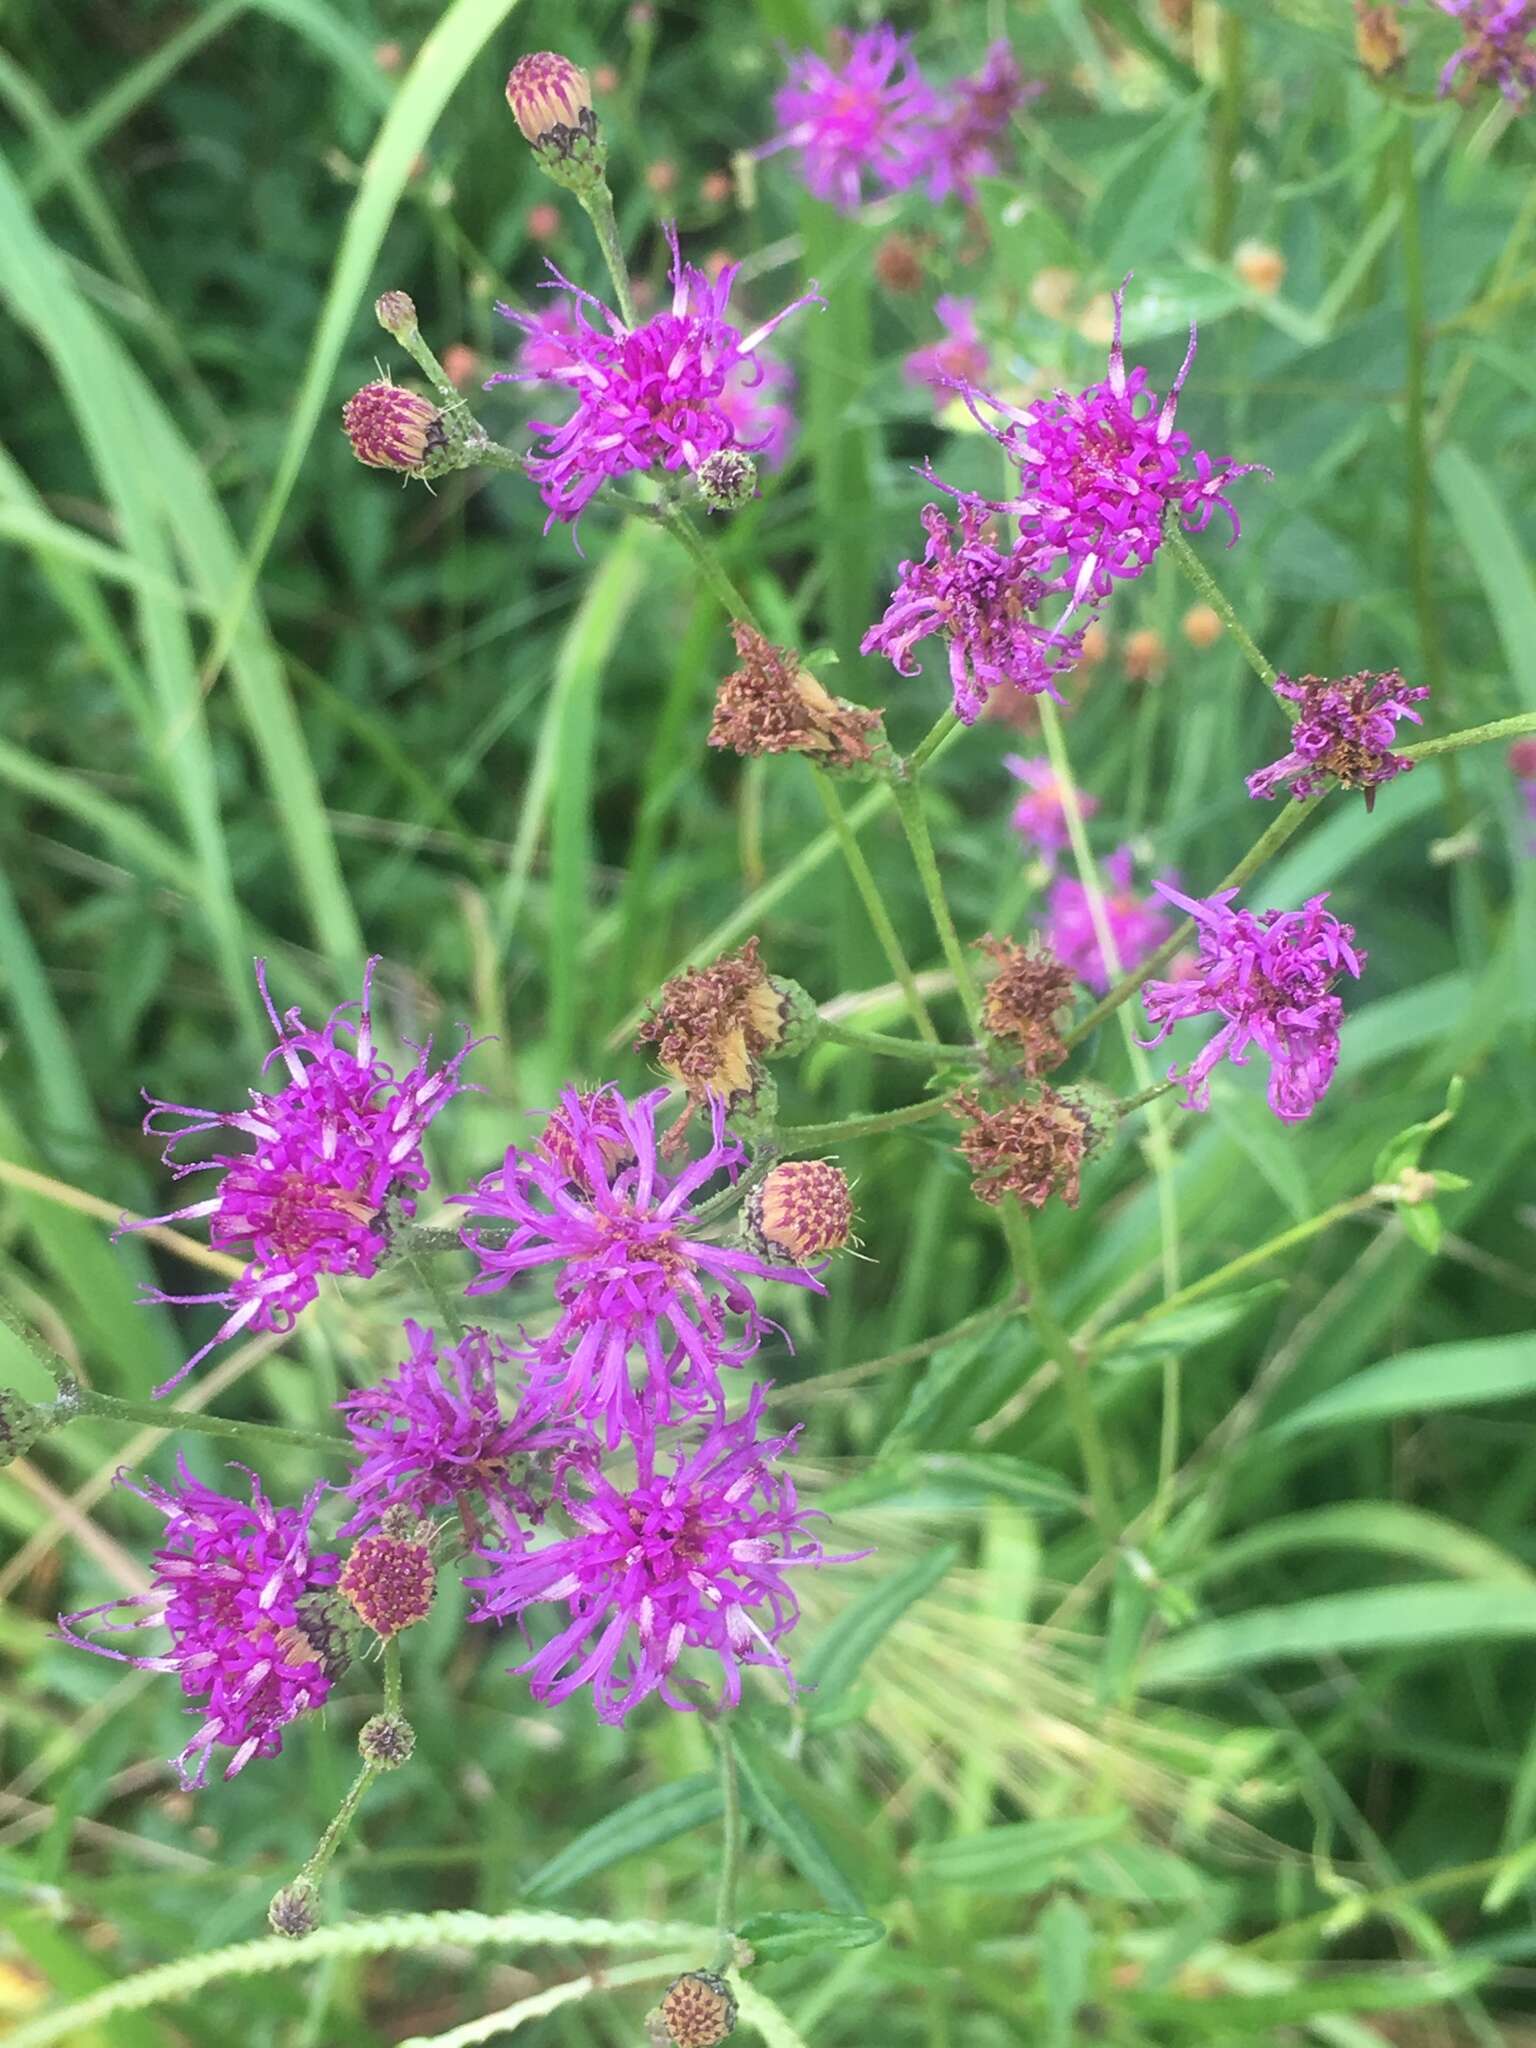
[973, 117]
[550, 339]
[960, 358]
[436, 1435]
[341, 1137]
[1041, 817]
[756, 403]
[253, 1639]
[1138, 927]
[648, 397]
[635, 1273]
[691, 1558]
[980, 599]
[1498, 50]
[1270, 975]
[1099, 471]
[867, 115]
[1346, 729]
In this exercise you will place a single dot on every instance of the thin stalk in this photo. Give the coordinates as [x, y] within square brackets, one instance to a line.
[731, 1841]
[887, 1047]
[1147, 1095]
[1515, 728]
[392, 1681]
[437, 1294]
[874, 904]
[909, 808]
[1070, 1364]
[800, 1137]
[597, 205]
[909, 1354]
[934, 741]
[329, 1842]
[89, 1402]
[58, 1369]
[1226, 134]
[683, 530]
[1218, 601]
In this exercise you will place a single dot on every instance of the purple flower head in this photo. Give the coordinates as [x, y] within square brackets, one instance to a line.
[436, 1434]
[691, 1558]
[1041, 817]
[1099, 470]
[1136, 925]
[1346, 730]
[341, 1136]
[960, 358]
[756, 403]
[1270, 975]
[550, 339]
[253, 1640]
[1498, 50]
[648, 397]
[981, 600]
[866, 115]
[973, 117]
[634, 1274]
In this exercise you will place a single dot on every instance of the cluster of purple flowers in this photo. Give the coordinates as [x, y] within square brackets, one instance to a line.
[651, 1305]
[868, 114]
[1498, 50]
[666, 394]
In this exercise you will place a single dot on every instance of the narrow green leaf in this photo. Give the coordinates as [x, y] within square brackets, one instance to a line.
[1442, 1376]
[657, 1816]
[1390, 1527]
[1065, 1938]
[773, 1789]
[1027, 1856]
[1498, 558]
[836, 1660]
[774, 1936]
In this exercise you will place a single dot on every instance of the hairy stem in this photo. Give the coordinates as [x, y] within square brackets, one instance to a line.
[914, 822]
[887, 1047]
[801, 1137]
[326, 1847]
[89, 1402]
[909, 1354]
[731, 1841]
[597, 205]
[1217, 599]
[874, 904]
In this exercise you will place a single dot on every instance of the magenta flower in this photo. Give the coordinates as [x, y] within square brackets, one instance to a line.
[973, 118]
[1346, 730]
[980, 600]
[1099, 471]
[437, 1435]
[1137, 926]
[756, 403]
[867, 115]
[254, 1640]
[338, 1140]
[1041, 817]
[960, 358]
[1498, 50]
[694, 1558]
[550, 339]
[634, 1274]
[646, 398]
[1270, 975]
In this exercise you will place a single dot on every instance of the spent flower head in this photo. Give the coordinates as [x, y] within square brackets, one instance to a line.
[1270, 976]
[340, 1139]
[714, 1024]
[1345, 729]
[1028, 1001]
[864, 114]
[1032, 1148]
[772, 704]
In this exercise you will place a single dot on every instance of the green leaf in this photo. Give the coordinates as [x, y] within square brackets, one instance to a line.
[1185, 1329]
[1027, 1856]
[1388, 1527]
[657, 1816]
[1150, 193]
[1139, 1874]
[1419, 1617]
[774, 1936]
[1065, 1937]
[1498, 558]
[836, 1660]
[1442, 1376]
[956, 1479]
[1408, 1146]
[779, 1795]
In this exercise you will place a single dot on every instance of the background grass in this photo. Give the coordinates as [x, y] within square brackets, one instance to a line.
[1267, 1773]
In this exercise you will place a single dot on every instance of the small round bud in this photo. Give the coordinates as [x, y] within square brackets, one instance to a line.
[22, 1422]
[802, 1208]
[1201, 626]
[899, 264]
[543, 222]
[390, 428]
[461, 364]
[697, 2012]
[1261, 267]
[386, 1742]
[1095, 645]
[661, 177]
[1145, 655]
[1522, 759]
[395, 313]
[727, 480]
[389, 1582]
[292, 1911]
[1378, 39]
[551, 101]
[715, 188]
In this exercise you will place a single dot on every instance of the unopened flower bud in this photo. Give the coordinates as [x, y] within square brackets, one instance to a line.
[727, 480]
[1378, 38]
[551, 101]
[389, 1582]
[1522, 759]
[802, 1209]
[292, 1911]
[697, 2012]
[1201, 626]
[1261, 267]
[396, 313]
[1095, 645]
[1145, 655]
[387, 1741]
[22, 1422]
[390, 428]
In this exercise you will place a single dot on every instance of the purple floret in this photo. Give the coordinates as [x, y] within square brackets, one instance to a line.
[1498, 50]
[974, 116]
[1136, 925]
[1345, 730]
[867, 116]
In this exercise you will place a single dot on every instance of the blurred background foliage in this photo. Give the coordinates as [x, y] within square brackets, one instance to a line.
[1268, 1771]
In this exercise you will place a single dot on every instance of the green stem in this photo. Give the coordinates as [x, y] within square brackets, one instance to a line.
[732, 1837]
[392, 1680]
[597, 205]
[894, 1048]
[254, 1433]
[437, 1294]
[415, 345]
[874, 904]
[1070, 1364]
[1515, 728]
[58, 1369]
[801, 1137]
[1147, 1095]
[1217, 599]
[1226, 134]
[933, 742]
[910, 1354]
[682, 529]
[909, 808]
[328, 1843]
